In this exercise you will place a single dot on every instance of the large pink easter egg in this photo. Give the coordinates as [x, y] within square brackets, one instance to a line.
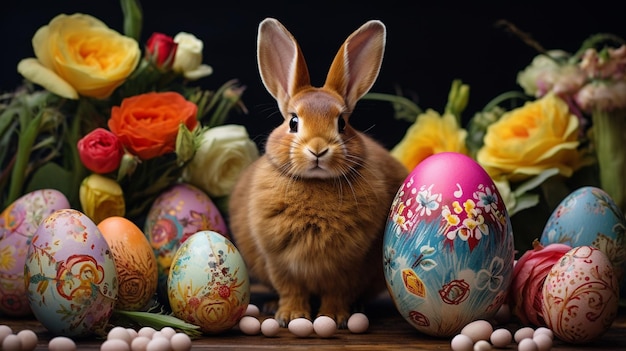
[448, 246]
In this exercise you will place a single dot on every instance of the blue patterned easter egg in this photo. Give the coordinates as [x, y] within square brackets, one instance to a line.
[448, 246]
[589, 216]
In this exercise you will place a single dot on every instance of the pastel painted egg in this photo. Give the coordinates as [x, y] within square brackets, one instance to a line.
[208, 283]
[18, 223]
[589, 216]
[580, 295]
[70, 275]
[134, 260]
[448, 246]
[176, 214]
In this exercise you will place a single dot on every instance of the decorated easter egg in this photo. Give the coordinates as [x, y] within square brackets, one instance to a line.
[134, 260]
[208, 283]
[448, 246]
[580, 295]
[589, 216]
[70, 275]
[176, 214]
[18, 223]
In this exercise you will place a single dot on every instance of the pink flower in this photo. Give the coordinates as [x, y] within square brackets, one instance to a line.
[100, 151]
[161, 49]
[531, 270]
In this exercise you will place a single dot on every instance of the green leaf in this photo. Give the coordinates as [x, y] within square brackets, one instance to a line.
[523, 202]
[535, 181]
[159, 320]
[133, 18]
[52, 176]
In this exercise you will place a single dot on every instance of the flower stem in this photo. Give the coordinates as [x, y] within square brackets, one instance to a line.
[609, 137]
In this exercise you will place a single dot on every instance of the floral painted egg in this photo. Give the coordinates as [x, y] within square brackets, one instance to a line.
[18, 223]
[135, 262]
[580, 295]
[208, 283]
[448, 246]
[70, 275]
[176, 214]
[589, 216]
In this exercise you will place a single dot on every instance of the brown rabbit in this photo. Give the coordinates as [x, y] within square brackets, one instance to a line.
[308, 217]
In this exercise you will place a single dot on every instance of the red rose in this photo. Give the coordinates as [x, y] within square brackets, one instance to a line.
[529, 274]
[147, 124]
[161, 49]
[100, 151]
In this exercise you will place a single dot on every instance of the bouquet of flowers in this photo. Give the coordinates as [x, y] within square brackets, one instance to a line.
[565, 130]
[117, 124]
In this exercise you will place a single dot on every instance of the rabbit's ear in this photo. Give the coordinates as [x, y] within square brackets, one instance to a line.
[355, 67]
[281, 64]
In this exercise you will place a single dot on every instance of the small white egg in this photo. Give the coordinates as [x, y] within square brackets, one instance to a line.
[168, 332]
[300, 327]
[543, 341]
[252, 310]
[11, 343]
[523, 333]
[180, 342]
[270, 327]
[544, 330]
[159, 344]
[461, 342]
[501, 337]
[324, 326]
[358, 323]
[478, 330]
[28, 338]
[115, 345]
[527, 345]
[4, 331]
[119, 333]
[132, 332]
[146, 331]
[249, 325]
[482, 345]
[139, 343]
[61, 343]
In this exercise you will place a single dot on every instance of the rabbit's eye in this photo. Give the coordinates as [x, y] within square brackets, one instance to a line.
[341, 124]
[293, 123]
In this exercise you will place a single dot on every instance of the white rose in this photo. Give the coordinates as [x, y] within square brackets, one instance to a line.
[188, 58]
[224, 151]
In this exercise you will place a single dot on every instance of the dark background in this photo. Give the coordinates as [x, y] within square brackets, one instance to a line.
[429, 44]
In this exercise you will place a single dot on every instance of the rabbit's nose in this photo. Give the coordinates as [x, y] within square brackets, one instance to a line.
[320, 153]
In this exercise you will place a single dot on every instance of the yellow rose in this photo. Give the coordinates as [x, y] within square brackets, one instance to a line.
[430, 134]
[540, 135]
[101, 197]
[79, 55]
[188, 58]
[223, 153]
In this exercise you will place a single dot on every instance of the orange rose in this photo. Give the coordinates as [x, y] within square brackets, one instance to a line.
[147, 124]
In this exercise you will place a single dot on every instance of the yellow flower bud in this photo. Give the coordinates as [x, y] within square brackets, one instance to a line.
[101, 197]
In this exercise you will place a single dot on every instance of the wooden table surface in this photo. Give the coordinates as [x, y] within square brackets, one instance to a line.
[387, 331]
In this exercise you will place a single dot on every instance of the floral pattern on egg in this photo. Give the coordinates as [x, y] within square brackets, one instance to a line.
[208, 283]
[448, 246]
[18, 223]
[70, 275]
[175, 215]
[580, 295]
[589, 216]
